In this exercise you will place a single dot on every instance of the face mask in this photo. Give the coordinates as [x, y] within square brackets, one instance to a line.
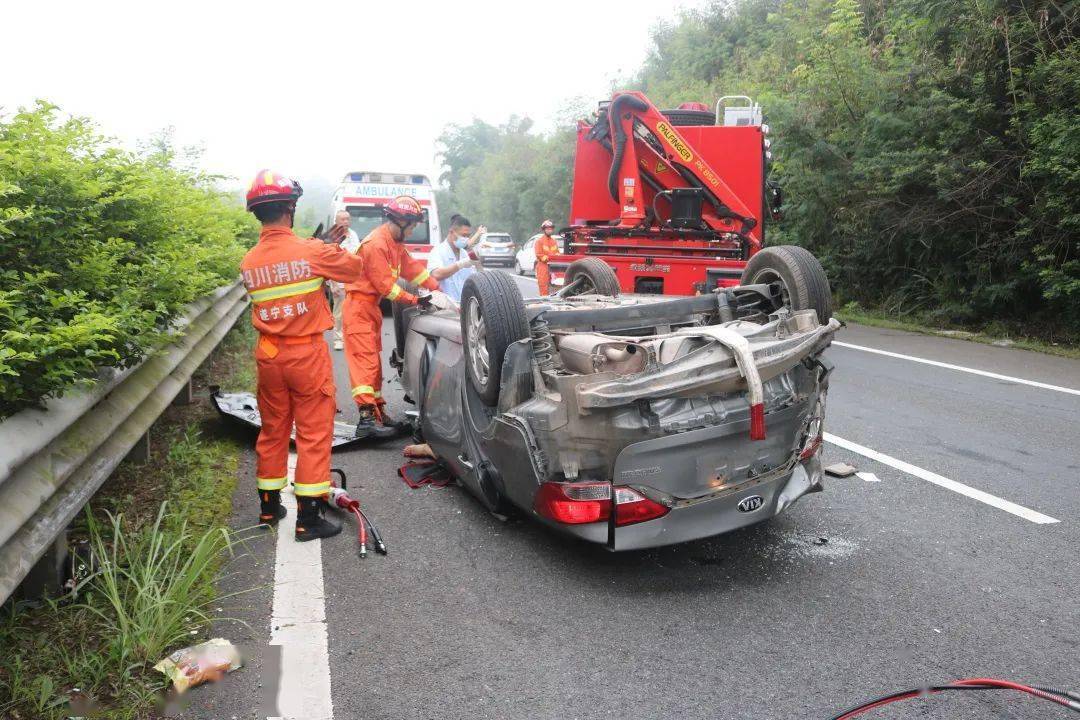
[461, 243]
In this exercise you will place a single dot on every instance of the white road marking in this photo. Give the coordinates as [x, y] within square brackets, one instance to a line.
[868, 476]
[984, 497]
[298, 623]
[960, 368]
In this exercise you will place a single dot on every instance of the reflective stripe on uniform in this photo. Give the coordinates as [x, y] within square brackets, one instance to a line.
[363, 390]
[395, 290]
[311, 489]
[421, 277]
[376, 394]
[282, 291]
[271, 483]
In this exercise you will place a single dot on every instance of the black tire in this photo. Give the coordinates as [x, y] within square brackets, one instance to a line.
[500, 321]
[601, 278]
[690, 117]
[804, 285]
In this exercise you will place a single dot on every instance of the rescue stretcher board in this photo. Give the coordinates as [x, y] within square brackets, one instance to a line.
[243, 409]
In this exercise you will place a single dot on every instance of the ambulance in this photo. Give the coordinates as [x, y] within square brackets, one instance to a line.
[362, 194]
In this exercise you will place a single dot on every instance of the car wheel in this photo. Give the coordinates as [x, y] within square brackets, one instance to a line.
[596, 277]
[801, 279]
[492, 318]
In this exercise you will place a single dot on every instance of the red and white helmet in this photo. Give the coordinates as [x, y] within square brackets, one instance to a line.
[404, 209]
[269, 186]
[547, 224]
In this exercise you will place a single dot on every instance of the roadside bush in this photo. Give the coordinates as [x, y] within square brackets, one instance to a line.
[99, 249]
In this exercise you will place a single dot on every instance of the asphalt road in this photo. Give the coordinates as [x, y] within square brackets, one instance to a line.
[867, 588]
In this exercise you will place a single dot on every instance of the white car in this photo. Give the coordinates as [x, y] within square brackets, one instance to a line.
[526, 256]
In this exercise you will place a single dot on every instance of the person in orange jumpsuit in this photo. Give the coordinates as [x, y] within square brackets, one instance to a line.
[545, 247]
[284, 277]
[385, 260]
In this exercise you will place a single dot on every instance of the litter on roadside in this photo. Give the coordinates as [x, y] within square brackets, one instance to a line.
[198, 664]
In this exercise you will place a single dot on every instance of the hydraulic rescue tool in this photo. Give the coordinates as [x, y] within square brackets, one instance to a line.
[340, 497]
[673, 200]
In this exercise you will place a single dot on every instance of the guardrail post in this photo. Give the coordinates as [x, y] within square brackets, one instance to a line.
[47, 574]
[140, 453]
[187, 395]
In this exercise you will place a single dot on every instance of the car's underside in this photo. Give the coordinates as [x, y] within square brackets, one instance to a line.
[631, 421]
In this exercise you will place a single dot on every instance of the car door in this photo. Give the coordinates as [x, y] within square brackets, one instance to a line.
[527, 255]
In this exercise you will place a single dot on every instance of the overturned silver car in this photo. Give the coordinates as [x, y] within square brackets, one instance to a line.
[633, 421]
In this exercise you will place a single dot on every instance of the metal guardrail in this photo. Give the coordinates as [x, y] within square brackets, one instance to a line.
[53, 460]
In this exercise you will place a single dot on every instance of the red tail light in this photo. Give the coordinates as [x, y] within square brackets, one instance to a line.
[578, 503]
[633, 507]
[574, 504]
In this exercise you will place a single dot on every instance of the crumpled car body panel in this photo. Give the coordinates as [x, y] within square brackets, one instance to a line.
[676, 428]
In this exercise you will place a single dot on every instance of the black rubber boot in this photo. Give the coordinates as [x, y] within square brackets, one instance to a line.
[310, 522]
[367, 427]
[390, 421]
[270, 508]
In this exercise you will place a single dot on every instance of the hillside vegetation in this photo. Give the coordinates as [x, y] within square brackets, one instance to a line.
[929, 151]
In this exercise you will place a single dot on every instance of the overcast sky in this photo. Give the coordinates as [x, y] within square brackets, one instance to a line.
[313, 87]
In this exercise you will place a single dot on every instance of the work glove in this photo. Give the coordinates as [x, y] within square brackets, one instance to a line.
[466, 263]
[334, 234]
[437, 299]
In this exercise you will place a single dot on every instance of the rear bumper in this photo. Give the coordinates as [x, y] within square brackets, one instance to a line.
[498, 261]
[723, 514]
[707, 518]
[663, 274]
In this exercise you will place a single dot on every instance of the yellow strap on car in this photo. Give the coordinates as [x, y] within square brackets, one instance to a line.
[311, 489]
[283, 291]
[271, 483]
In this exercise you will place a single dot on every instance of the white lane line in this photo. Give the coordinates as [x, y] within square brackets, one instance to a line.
[984, 497]
[298, 623]
[960, 368]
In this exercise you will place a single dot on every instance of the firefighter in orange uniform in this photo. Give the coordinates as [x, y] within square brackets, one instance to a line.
[385, 260]
[284, 276]
[545, 247]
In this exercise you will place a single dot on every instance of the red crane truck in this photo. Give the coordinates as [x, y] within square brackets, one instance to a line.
[674, 200]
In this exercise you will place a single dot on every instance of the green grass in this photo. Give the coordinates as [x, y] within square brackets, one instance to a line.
[997, 334]
[159, 533]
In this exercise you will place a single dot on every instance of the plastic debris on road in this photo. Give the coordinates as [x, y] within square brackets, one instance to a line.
[202, 663]
[243, 408]
[841, 470]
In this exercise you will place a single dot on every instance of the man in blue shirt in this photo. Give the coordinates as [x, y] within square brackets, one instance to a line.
[449, 261]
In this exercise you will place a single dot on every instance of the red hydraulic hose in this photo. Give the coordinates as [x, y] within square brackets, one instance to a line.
[966, 684]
